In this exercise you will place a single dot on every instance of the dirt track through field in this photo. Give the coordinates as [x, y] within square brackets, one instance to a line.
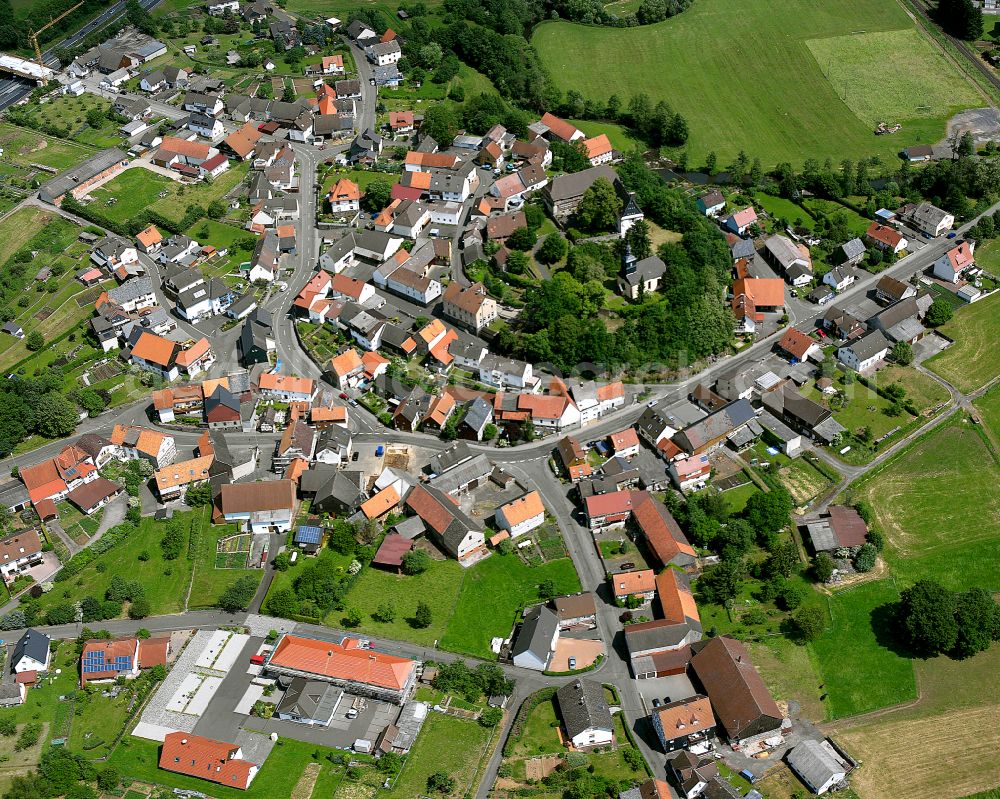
[946, 756]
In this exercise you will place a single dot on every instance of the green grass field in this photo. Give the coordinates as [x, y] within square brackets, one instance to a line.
[859, 673]
[923, 391]
[912, 84]
[493, 592]
[454, 746]
[166, 582]
[208, 583]
[138, 188]
[25, 147]
[439, 587]
[939, 507]
[619, 136]
[973, 360]
[745, 76]
[989, 407]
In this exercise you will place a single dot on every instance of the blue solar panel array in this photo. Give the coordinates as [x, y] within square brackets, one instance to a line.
[308, 535]
[94, 663]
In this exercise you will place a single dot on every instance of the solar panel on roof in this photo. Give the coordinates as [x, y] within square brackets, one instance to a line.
[308, 535]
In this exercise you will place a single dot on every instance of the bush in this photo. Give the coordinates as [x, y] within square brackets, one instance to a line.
[864, 561]
[416, 561]
[239, 595]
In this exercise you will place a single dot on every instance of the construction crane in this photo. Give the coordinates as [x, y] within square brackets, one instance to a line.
[33, 35]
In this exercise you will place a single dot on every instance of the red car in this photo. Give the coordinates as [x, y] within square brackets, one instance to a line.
[343, 395]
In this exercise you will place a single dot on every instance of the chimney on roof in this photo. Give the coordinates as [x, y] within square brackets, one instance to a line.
[184, 741]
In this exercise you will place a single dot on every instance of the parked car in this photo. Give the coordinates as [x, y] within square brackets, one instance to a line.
[572, 663]
[343, 395]
[656, 703]
[952, 234]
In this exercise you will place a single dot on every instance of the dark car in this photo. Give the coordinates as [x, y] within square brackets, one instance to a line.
[656, 703]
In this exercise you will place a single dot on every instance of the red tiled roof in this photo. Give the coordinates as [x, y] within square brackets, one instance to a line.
[343, 661]
[207, 759]
[559, 127]
[663, 535]
[598, 146]
[888, 236]
[391, 552]
[796, 343]
[637, 582]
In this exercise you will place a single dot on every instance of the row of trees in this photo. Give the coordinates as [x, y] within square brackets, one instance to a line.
[934, 620]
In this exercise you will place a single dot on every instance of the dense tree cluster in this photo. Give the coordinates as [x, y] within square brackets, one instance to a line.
[34, 405]
[486, 679]
[686, 320]
[937, 621]
[14, 27]
[963, 19]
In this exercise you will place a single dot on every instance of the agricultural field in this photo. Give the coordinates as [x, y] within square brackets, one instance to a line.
[25, 147]
[922, 501]
[973, 360]
[860, 672]
[776, 103]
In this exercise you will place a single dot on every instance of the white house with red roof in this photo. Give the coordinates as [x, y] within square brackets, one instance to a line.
[956, 263]
[741, 221]
[886, 238]
[692, 473]
[599, 150]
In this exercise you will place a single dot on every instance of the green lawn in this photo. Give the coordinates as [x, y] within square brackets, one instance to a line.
[438, 586]
[134, 190]
[989, 407]
[70, 113]
[208, 583]
[138, 188]
[492, 594]
[619, 136]
[26, 147]
[454, 746]
[923, 391]
[362, 177]
[736, 498]
[762, 88]
[779, 207]
[859, 672]
[166, 582]
[973, 360]
[539, 736]
[939, 506]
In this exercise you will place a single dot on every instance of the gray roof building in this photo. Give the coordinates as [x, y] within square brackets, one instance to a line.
[533, 644]
[80, 174]
[309, 702]
[34, 645]
[583, 707]
[818, 764]
[715, 427]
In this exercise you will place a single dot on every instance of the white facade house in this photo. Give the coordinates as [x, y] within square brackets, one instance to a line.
[956, 262]
[864, 353]
[33, 652]
[218, 9]
[521, 515]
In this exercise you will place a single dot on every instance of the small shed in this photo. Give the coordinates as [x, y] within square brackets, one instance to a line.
[390, 554]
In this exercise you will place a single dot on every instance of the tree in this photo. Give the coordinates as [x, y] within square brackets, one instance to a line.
[422, 618]
[282, 561]
[96, 118]
[547, 589]
[139, 608]
[823, 567]
[239, 595]
[638, 239]
[216, 209]
[939, 312]
[342, 538]
[440, 781]
[352, 617]
[108, 778]
[978, 619]
[198, 496]
[599, 208]
[56, 415]
[927, 618]
[522, 239]
[721, 583]
[902, 353]
[389, 763]
[490, 432]
[782, 560]
[384, 613]
[864, 561]
[810, 621]
[517, 263]
[8, 726]
[553, 249]
[34, 341]
[768, 512]
[491, 717]
[416, 561]
[378, 193]
[440, 123]
[711, 162]
[735, 539]
[966, 145]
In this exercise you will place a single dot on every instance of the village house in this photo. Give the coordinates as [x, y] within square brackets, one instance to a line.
[956, 263]
[930, 219]
[886, 238]
[261, 507]
[521, 515]
[866, 352]
[585, 714]
[208, 759]
[793, 260]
